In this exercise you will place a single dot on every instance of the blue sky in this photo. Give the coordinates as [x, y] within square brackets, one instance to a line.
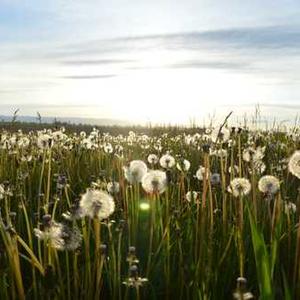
[138, 59]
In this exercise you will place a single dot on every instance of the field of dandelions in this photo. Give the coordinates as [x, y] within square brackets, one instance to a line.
[92, 215]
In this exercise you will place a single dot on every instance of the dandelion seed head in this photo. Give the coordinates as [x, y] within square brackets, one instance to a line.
[2, 191]
[167, 161]
[72, 238]
[234, 169]
[82, 134]
[135, 171]
[289, 207]
[215, 179]
[108, 148]
[23, 142]
[155, 181]
[243, 296]
[257, 153]
[134, 280]
[103, 249]
[269, 184]
[259, 166]
[183, 165]
[58, 135]
[220, 136]
[294, 164]
[97, 204]
[113, 187]
[44, 141]
[52, 235]
[192, 196]
[241, 292]
[60, 236]
[222, 153]
[239, 187]
[201, 173]
[152, 159]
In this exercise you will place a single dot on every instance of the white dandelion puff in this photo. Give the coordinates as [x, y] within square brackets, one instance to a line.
[72, 237]
[44, 141]
[60, 236]
[221, 136]
[134, 280]
[113, 187]
[167, 161]
[215, 179]
[82, 134]
[233, 170]
[192, 196]
[289, 207]
[294, 164]
[222, 153]
[58, 135]
[52, 234]
[269, 184]
[2, 191]
[135, 171]
[239, 187]
[201, 173]
[108, 148]
[183, 165]
[96, 204]
[87, 143]
[254, 154]
[243, 296]
[152, 159]
[155, 181]
[23, 142]
[258, 166]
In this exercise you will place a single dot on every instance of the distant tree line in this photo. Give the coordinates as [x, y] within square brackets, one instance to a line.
[112, 129]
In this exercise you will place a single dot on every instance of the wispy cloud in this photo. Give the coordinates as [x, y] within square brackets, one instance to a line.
[209, 65]
[29, 105]
[272, 50]
[88, 76]
[238, 49]
[286, 106]
[270, 37]
[258, 38]
[104, 61]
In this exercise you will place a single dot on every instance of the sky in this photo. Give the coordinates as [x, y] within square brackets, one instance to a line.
[158, 61]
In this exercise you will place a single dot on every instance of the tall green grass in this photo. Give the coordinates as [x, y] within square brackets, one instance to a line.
[175, 249]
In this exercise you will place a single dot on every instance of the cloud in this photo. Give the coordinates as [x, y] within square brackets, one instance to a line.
[105, 61]
[262, 37]
[5, 92]
[209, 65]
[45, 105]
[262, 40]
[287, 106]
[238, 49]
[270, 37]
[88, 76]
[259, 39]
[273, 51]
[267, 59]
[197, 64]
[281, 106]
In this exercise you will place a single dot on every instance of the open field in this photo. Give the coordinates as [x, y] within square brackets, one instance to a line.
[207, 213]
